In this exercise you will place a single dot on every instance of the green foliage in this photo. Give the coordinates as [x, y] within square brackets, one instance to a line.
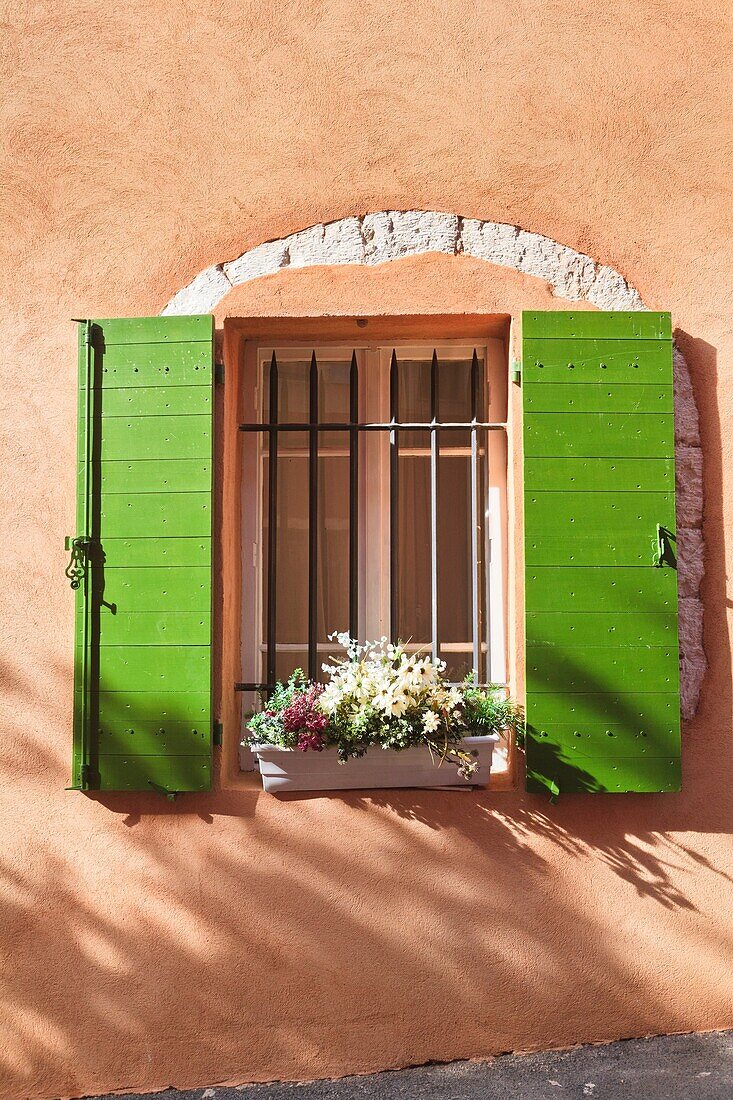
[265, 726]
[485, 711]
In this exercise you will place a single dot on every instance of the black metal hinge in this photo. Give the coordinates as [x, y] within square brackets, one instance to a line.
[89, 329]
[218, 733]
[219, 373]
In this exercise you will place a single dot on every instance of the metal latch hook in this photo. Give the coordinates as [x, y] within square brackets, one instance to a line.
[664, 553]
[77, 567]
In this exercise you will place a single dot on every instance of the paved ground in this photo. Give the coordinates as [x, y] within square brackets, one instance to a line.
[676, 1067]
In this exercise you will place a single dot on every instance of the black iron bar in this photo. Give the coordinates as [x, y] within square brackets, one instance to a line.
[474, 386]
[272, 526]
[475, 609]
[354, 498]
[387, 426]
[434, 455]
[313, 523]
[394, 472]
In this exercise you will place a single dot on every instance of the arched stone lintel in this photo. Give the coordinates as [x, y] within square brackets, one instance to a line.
[394, 234]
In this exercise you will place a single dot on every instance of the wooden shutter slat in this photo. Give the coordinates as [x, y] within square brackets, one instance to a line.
[589, 668]
[156, 330]
[598, 435]
[176, 475]
[645, 628]
[151, 628]
[157, 401]
[622, 325]
[561, 589]
[131, 553]
[156, 515]
[130, 772]
[155, 437]
[154, 706]
[599, 475]
[599, 397]
[158, 588]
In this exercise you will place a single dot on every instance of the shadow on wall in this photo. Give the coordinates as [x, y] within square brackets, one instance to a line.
[234, 935]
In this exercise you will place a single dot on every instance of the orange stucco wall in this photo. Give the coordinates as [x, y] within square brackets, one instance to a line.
[233, 936]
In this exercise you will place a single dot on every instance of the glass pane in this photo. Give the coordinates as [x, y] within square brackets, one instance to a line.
[454, 390]
[414, 602]
[454, 549]
[293, 391]
[333, 391]
[414, 390]
[414, 398]
[333, 534]
[292, 540]
[287, 660]
[454, 397]
[455, 567]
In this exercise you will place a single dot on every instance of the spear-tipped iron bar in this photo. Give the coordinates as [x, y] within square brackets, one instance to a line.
[354, 498]
[475, 520]
[272, 525]
[394, 472]
[313, 523]
[434, 453]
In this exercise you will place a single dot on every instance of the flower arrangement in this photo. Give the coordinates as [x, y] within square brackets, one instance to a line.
[379, 696]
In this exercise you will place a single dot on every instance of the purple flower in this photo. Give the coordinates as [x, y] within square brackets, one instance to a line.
[302, 716]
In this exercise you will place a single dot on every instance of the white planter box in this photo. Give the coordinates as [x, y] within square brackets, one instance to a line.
[292, 770]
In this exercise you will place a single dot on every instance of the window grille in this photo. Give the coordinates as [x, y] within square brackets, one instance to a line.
[272, 429]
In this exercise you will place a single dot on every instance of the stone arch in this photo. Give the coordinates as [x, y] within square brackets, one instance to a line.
[394, 234]
[389, 235]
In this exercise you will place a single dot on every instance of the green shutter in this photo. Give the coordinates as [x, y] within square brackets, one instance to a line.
[142, 669]
[601, 614]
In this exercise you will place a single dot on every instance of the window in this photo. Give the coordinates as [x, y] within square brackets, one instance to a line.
[380, 477]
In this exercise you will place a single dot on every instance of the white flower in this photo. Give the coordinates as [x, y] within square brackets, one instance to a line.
[383, 701]
[329, 698]
[430, 721]
[455, 697]
[399, 704]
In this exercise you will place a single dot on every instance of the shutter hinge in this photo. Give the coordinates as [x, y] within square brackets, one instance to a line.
[219, 373]
[218, 733]
[85, 779]
[88, 330]
[517, 371]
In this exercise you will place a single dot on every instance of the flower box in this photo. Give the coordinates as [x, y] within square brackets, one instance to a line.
[290, 770]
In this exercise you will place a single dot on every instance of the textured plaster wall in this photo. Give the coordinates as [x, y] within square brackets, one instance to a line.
[233, 936]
